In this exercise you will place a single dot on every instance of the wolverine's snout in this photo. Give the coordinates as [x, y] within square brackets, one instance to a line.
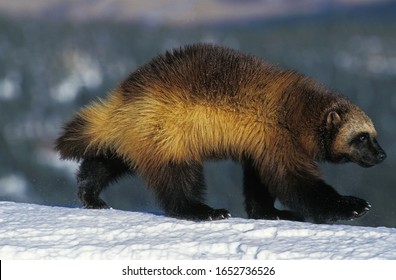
[381, 156]
[371, 154]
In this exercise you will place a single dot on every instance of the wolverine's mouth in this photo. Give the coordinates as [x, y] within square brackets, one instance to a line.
[380, 157]
[366, 164]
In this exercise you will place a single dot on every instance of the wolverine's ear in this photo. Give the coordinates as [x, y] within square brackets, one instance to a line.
[333, 120]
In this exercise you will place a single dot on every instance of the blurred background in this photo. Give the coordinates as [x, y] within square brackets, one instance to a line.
[56, 56]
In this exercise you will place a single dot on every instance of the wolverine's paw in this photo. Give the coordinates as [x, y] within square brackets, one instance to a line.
[203, 214]
[349, 208]
[98, 204]
[91, 201]
[94, 204]
[218, 214]
[210, 215]
[275, 214]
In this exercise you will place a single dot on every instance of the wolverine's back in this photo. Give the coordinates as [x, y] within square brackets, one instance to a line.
[200, 70]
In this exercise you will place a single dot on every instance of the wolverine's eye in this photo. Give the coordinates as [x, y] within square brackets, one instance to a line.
[361, 138]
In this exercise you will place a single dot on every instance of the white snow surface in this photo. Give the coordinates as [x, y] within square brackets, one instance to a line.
[30, 231]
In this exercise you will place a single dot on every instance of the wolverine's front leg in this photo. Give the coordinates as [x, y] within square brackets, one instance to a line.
[179, 188]
[317, 201]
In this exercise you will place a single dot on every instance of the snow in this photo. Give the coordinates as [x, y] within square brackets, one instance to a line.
[29, 231]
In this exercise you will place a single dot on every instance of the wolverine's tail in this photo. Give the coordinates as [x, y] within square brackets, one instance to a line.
[73, 143]
[90, 133]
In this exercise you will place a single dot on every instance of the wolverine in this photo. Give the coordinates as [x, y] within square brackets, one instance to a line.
[203, 102]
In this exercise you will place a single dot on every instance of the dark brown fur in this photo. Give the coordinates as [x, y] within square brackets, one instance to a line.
[203, 101]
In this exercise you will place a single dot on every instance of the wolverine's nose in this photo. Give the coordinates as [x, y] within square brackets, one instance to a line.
[381, 156]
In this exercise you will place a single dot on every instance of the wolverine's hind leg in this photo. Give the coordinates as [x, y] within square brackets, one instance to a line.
[259, 203]
[179, 188]
[94, 175]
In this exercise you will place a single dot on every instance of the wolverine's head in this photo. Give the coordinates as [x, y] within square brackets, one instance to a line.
[353, 138]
